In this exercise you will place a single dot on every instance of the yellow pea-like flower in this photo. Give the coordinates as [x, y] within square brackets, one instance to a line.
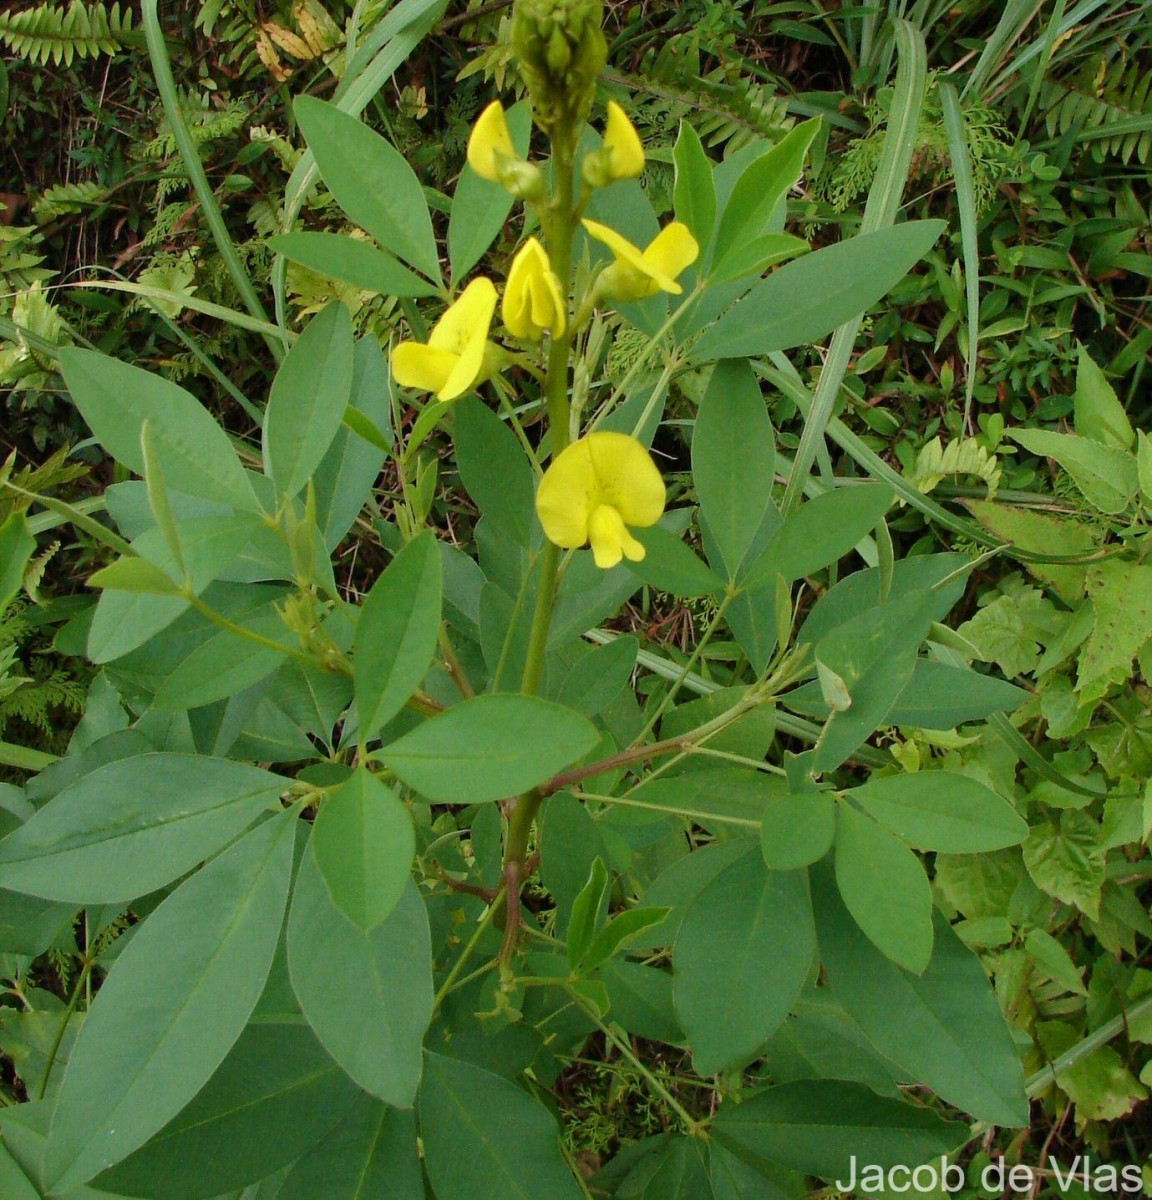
[621, 156]
[452, 361]
[637, 274]
[533, 301]
[594, 490]
[489, 141]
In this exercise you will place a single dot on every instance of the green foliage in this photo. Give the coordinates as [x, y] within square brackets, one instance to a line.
[425, 896]
[53, 33]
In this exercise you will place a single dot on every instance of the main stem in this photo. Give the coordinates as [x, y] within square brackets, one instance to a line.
[560, 230]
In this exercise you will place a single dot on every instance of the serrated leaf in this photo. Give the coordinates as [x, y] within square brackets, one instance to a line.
[1098, 414]
[1066, 860]
[1105, 475]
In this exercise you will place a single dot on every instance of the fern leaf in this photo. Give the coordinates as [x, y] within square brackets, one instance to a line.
[67, 197]
[51, 33]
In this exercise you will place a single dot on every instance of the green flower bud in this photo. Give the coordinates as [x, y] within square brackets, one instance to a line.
[561, 51]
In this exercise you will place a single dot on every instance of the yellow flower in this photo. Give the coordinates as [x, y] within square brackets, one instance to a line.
[489, 141]
[594, 489]
[492, 155]
[452, 361]
[621, 156]
[532, 300]
[637, 274]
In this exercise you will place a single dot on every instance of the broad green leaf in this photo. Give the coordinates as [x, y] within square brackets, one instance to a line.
[764, 183]
[134, 575]
[569, 846]
[364, 844]
[681, 1173]
[487, 1139]
[396, 633]
[494, 469]
[743, 951]
[797, 830]
[1042, 534]
[490, 747]
[823, 1126]
[679, 885]
[29, 925]
[16, 547]
[943, 1028]
[942, 810]
[588, 910]
[274, 1096]
[693, 192]
[758, 255]
[1051, 957]
[308, 398]
[226, 664]
[671, 566]
[480, 207]
[733, 1178]
[1106, 476]
[885, 889]
[351, 260]
[371, 181]
[750, 735]
[733, 459]
[1121, 595]
[599, 676]
[1067, 861]
[623, 930]
[821, 1041]
[713, 796]
[173, 1005]
[641, 1000]
[1098, 414]
[820, 532]
[367, 995]
[371, 1154]
[14, 1184]
[1144, 466]
[344, 478]
[805, 300]
[194, 453]
[131, 826]
[874, 655]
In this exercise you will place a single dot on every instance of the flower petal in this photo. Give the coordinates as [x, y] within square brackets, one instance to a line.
[626, 477]
[424, 368]
[672, 250]
[489, 138]
[610, 540]
[621, 247]
[468, 318]
[626, 151]
[532, 300]
[567, 495]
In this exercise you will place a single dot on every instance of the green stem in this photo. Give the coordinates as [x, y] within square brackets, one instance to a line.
[483, 924]
[89, 963]
[169, 97]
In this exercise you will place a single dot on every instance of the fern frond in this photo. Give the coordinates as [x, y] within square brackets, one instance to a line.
[1098, 96]
[51, 33]
[965, 456]
[67, 197]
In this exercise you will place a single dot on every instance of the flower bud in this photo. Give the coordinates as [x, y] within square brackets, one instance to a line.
[561, 51]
